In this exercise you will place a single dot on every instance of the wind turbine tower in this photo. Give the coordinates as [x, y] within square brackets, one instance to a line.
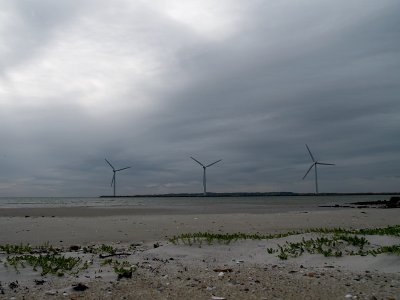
[113, 181]
[314, 165]
[204, 172]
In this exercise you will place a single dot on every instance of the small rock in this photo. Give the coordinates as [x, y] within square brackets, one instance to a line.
[80, 287]
[39, 281]
[349, 296]
[52, 293]
[217, 298]
[221, 274]
[65, 294]
[13, 285]
[239, 261]
[156, 245]
[74, 248]
[223, 270]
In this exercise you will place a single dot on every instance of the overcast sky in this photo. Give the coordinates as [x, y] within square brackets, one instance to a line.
[148, 84]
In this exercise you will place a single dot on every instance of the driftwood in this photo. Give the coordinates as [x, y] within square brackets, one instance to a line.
[114, 254]
[223, 270]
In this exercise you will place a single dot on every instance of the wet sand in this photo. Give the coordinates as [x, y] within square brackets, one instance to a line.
[88, 225]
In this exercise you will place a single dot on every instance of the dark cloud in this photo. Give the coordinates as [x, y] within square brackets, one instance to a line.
[150, 85]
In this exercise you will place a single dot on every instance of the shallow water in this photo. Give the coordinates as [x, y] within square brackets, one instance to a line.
[212, 204]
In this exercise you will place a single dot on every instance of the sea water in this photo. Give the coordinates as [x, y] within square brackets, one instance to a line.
[211, 204]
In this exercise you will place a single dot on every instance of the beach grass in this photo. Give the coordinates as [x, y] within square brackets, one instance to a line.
[333, 242]
[50, 260]
[329, 242]
[192, 238]
[49, 263]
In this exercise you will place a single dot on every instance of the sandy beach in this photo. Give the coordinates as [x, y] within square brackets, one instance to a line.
[163, 270]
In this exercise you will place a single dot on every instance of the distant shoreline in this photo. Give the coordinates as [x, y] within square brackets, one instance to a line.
[246, 194]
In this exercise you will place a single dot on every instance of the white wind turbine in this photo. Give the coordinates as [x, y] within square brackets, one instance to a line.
[204, 172]
[314, 165]
[113, 181]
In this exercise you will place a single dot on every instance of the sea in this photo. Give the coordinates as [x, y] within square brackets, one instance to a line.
[252, 204]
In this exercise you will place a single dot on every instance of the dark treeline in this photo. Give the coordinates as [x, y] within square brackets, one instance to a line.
[247, 194]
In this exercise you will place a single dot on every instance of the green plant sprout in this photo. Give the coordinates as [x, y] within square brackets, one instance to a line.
[338, 242]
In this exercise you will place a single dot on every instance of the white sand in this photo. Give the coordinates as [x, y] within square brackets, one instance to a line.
[182, 272]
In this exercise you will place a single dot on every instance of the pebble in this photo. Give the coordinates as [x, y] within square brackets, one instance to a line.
[80, 287]
[221, 274]
[239, 261]
[217, 298]
[50, 293]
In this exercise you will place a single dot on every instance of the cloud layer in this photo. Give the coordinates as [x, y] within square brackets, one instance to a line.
[150, 84]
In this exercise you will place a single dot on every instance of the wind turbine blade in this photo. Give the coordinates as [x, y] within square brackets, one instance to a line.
[309, 170]
[122, 169]
[197, 161]
[110, 164]
[312, 157]
[213, 163]
[112, 181]
[325, 164]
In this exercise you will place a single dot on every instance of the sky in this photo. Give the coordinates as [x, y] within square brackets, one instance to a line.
[148, 84]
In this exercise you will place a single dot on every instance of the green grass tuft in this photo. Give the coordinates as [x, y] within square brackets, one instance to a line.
[333, 242]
